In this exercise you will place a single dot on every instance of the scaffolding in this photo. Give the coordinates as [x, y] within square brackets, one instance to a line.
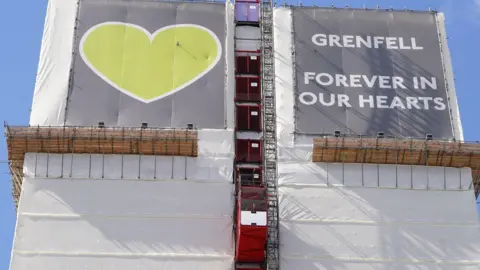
[93, 140]
[399, 151]
[269, 133]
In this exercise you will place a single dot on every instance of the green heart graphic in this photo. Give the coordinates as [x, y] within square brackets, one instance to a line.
[149, 66]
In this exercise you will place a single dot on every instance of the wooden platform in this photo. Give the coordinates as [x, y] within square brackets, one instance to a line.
[94, 140]
[399, 151]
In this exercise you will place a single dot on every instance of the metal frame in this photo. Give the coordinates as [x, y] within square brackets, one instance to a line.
[269, 133]
[93, 140]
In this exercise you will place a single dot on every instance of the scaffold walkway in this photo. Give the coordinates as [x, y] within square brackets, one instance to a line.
[399, 151]
[269, 133]
[93, 140]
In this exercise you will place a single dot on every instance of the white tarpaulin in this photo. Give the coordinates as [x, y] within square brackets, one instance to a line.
[128, 212]
[374, 175]
[80, 218]
[368, 216]
[51, 88]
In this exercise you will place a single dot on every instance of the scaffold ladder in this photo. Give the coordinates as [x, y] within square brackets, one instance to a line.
[269, 132]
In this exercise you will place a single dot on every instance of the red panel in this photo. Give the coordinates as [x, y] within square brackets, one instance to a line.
[241, 88]
[254, 65]
[248, 151]
[248, 89]
[251, 242]
[249, 118]
[248, 64]
[242, 65]
[254, 89]
[255, 121]
[254, 193]
[243, 122]
[255, 151]
[242, 151]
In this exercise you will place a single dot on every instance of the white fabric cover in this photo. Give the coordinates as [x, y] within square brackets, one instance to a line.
[370, 205]
[67, 197]
[374, 175]
[353, 216]
[380, 241]
[128, 212]
[168, 223]
[230, 66]
[332, 264]
[201, 169]
[51, 87]
[120, 234]
[284, 94]
[122, 261]
[451, 91]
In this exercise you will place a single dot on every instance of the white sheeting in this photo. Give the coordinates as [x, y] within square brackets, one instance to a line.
[51, 88]
[369, 205]
[230, 65]
[168, 224]
[374, 175]
[127, 262]
[380, 241]
[155, 199]
[100, 211]
[133, 235]
[284, 95]
[297, 153]
[201, 169]
[331, 264]
[451, 92]
[216, 143]
[354, 216]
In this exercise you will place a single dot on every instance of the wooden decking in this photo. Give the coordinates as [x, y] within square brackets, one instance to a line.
[399, 151]
[94, 140]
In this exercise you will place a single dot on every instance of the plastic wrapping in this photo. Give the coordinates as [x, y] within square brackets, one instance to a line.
[284, 87]
[374, 175]
[52, 83]
[162, 211]
[124, 206]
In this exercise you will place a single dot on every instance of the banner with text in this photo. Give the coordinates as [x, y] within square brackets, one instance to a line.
[365, 71]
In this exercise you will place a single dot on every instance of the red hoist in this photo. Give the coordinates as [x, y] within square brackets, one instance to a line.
[251, 194]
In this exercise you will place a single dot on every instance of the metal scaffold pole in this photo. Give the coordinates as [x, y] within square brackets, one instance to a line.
[269, 132]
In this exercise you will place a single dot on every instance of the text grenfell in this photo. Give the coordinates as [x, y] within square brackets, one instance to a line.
[375, 42]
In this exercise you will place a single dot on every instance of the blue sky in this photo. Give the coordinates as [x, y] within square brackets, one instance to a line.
[21, 26]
